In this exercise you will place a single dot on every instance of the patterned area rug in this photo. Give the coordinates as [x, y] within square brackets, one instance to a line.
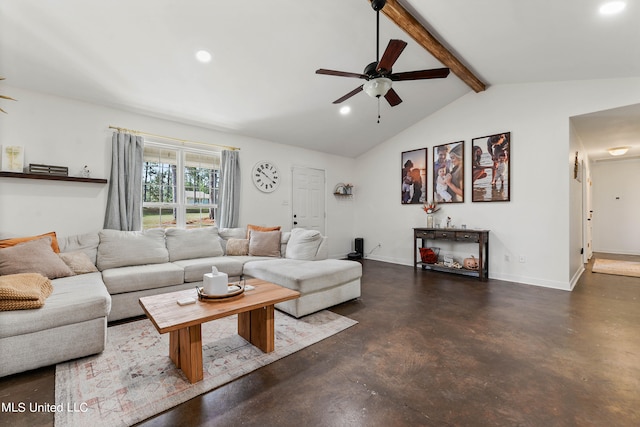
[620, 268]
[134, 379]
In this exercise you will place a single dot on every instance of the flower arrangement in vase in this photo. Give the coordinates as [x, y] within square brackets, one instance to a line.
[430, 208]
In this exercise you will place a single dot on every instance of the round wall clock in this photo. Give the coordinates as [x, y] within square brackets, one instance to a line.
[266, 176]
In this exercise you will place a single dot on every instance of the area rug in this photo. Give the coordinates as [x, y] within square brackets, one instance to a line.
[620, 268]
[134, 379]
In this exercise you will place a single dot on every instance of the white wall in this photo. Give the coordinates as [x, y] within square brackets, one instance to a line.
[536, 223]
[65, 132]
[616, 205]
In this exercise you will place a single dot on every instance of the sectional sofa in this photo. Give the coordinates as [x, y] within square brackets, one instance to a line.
[108, 271]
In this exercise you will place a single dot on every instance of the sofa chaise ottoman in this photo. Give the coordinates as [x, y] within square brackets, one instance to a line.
[321, 284]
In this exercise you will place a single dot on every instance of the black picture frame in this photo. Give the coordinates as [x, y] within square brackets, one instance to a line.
[414, 177]
[491, 168]
[448, 173]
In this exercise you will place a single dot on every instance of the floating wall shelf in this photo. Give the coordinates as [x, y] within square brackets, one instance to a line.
[51, 177]
[342, 190]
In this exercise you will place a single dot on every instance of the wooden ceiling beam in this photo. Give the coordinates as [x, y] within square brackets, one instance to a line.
[403, 19]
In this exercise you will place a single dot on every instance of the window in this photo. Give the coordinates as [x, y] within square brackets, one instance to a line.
[179, 186]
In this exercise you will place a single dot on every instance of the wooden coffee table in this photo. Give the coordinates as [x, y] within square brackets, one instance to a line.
[255, 310]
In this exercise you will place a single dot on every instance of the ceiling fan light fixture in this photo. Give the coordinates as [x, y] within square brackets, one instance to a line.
[377, 87]
[618, 151]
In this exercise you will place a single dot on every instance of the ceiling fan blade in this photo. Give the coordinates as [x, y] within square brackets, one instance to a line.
[349, 95]
[341, 74]
[436, 73]
[392, 97]
[390, 55]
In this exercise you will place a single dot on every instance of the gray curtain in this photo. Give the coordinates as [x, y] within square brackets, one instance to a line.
[124, 205]
[229, 199]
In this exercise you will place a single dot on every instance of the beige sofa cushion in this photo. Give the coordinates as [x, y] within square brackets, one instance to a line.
[127, 248]
[193, 243]
[142, 277]
[194, 269]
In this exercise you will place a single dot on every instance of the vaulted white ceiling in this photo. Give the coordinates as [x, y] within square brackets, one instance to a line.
[139, 56]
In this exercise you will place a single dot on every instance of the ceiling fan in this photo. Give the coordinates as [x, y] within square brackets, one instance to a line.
[378, 74]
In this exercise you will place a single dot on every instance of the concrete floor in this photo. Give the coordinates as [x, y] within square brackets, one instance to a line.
[434, 349]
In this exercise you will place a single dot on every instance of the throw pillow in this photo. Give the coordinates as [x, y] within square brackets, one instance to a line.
[264, 243]
[238, 247]
[303, 244]
[6, 243]
[252, 227]
[34, 256]
[78, 261]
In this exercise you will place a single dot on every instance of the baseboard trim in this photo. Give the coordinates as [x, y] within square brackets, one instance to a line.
[552, 284]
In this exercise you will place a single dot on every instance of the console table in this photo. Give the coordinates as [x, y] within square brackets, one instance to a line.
[454, 235]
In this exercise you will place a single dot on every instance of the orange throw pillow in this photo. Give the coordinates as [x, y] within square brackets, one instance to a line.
[252, 227]
[7, 243]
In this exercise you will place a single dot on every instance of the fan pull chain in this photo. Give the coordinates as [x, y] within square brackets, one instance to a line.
[378, 110]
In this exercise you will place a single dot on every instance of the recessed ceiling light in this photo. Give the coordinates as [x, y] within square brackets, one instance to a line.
[618, 151]
[203, 56]
[345, 110]
[612, 7]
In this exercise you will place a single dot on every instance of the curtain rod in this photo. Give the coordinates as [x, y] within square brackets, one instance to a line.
[184, 141]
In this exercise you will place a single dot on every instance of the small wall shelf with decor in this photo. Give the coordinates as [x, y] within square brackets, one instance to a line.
[344, 190]
[51, 177]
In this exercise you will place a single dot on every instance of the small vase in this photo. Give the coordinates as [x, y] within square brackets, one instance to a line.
[429, 221]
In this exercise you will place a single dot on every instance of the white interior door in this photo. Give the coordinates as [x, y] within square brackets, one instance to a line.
[308, 199]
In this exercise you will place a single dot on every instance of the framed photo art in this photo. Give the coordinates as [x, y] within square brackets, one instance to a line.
[448, 173]
[491, 168]
[414, 176]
